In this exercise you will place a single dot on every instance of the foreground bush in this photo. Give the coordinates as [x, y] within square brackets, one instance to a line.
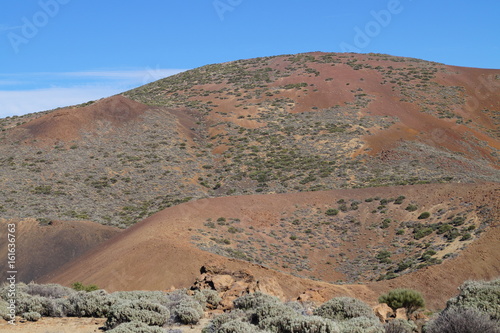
[52, 290]
[296, 324]
[482, 296]
[344, 308]
[235, 315]
[237, 326]
[409, 299]
[188, 312]
[31, 316]
[362, 325]
[400, 326]
[90, 304]
[255, 300]
[209, 297]
[152, 314]
[461, 320]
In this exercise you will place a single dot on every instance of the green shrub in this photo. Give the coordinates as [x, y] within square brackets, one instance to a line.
[462, 320]
[152, 314]
[344, 308]
[399, 200]
[409, 299]
[31, 316]
[78, 286]
[135, 327]
[479, 295]
[422, 232]
[424, 215]
[331, 212]
[411, 208]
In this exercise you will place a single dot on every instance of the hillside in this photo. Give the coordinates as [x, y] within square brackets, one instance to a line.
[312, 174]
[42, 248]
[256, 232]
[282, 124]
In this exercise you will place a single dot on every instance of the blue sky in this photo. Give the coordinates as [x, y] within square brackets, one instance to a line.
[63, 52]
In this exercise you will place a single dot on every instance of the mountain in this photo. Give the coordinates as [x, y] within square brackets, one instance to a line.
[339, 173]
[280, 124]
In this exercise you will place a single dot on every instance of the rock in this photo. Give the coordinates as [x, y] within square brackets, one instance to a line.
[401, 314]
[311, 295]
[271, 287]
[383, 312]
[221, 283]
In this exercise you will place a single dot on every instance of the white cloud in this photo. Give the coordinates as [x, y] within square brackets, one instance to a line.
[33, 92]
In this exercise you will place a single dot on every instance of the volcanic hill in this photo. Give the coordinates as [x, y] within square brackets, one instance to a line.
[281, 124]
[315, 169]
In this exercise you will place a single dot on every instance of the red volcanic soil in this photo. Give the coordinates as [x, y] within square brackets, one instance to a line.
[69, 124]
[337, 84]
[157, 253]
[43, 249]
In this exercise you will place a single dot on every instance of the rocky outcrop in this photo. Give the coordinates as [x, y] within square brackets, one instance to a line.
[233, 284]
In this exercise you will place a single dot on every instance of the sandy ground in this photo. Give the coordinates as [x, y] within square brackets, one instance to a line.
[75, 325]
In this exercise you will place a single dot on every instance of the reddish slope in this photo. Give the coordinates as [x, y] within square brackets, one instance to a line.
[68, 124]
[44, 249]
[157, 253]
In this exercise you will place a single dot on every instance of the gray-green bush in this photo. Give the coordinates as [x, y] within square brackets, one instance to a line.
[31, 316]
[400, 326]
[270, 310]
[188, 311]
[208, 297]
[480, 295]
[463, 320]
[362, 325]
[152, 314]
[234, 315]
[237, 326]
[90, 304]
[295, 324]
[344, 308]
[48, 290]
[26, 303]
[252, 301]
